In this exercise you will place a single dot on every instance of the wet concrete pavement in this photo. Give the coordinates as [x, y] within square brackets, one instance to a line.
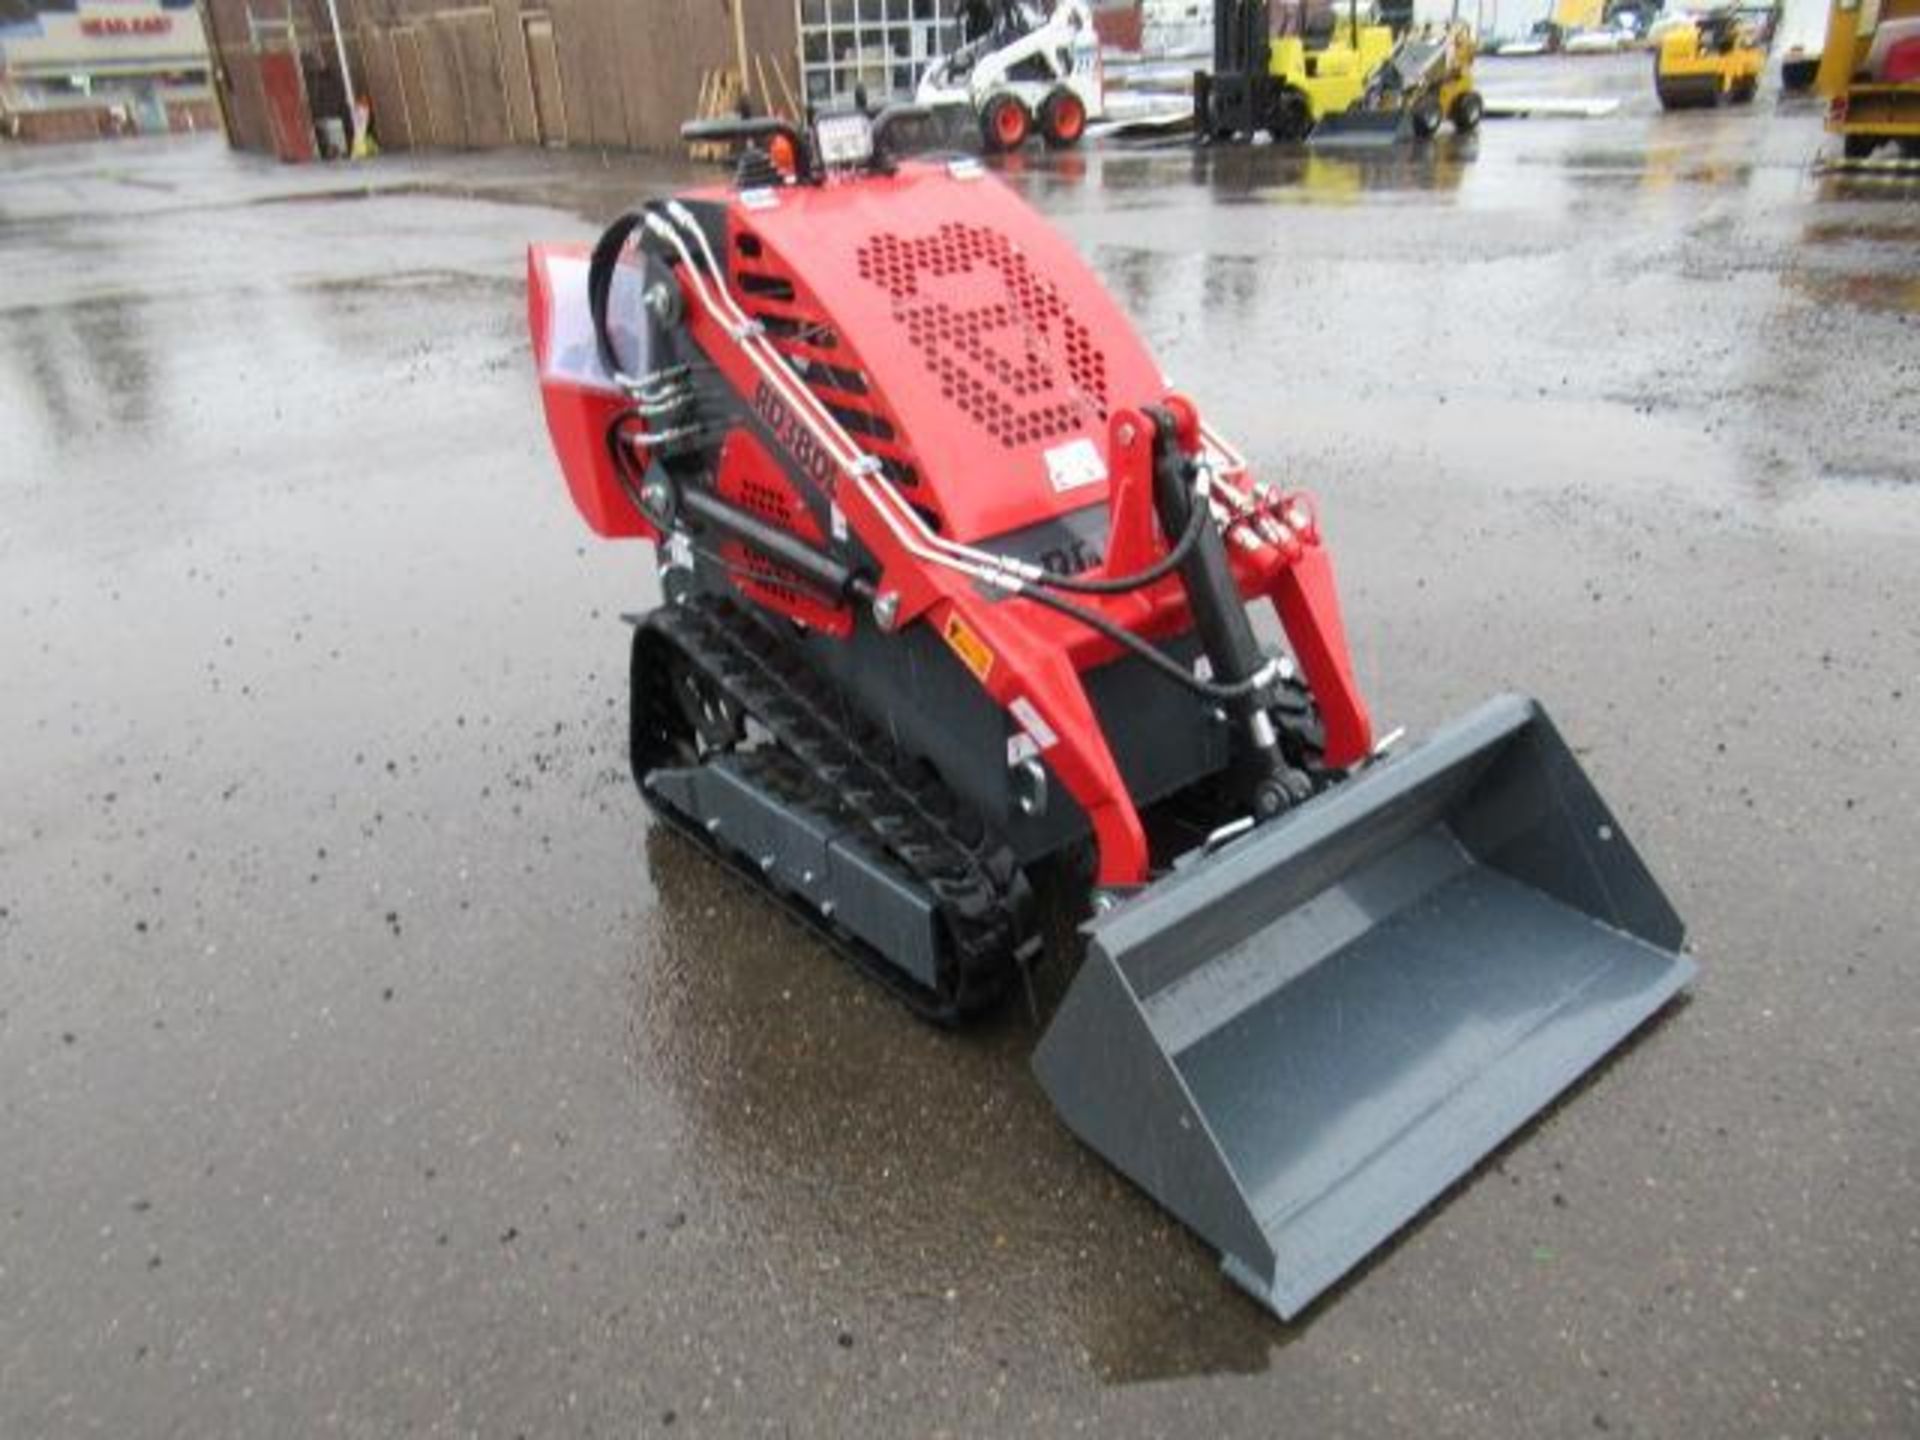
[366, 1065]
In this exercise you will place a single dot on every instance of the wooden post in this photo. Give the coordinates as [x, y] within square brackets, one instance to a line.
[740, 47]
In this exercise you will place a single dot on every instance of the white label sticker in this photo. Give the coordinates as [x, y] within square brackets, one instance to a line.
[1075, 464]
[1033, 722]
[760, 198]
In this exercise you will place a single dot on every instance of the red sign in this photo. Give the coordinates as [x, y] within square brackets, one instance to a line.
[126, 25]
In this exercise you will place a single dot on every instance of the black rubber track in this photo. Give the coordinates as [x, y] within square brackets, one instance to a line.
[847, 768]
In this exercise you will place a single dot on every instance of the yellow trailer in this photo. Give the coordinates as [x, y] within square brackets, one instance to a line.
[1870, 76]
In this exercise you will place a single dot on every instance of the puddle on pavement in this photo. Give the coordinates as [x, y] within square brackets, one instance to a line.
[1873, 290]
[1654, 169]
[1870, 232]
[918, 1164]
[1241, 174]
[1894, 189]
[77, 366]
[1308, 176]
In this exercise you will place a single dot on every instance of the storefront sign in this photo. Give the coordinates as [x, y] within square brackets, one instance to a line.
[99, 25]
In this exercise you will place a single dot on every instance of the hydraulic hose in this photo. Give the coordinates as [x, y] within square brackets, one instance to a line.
[1151, 653]
[1028, 582]
[606, 254]
[622, 456]
[1139, 579]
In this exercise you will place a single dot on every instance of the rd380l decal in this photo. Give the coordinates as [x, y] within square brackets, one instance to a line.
[794, 437]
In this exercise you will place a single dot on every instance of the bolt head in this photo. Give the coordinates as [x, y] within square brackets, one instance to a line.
[662, 302]
[886, 609]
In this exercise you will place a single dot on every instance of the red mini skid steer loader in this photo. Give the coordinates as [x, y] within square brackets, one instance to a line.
[956, 587]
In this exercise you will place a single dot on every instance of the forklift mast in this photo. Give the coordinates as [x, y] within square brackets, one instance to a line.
[1231, 100]
[1239, 36]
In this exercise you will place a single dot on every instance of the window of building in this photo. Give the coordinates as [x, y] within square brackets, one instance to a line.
[881, 44]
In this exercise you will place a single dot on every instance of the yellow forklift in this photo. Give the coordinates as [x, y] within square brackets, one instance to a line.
[1715, 59]
[1870, 77]
[1284, 86]
[1327, 80]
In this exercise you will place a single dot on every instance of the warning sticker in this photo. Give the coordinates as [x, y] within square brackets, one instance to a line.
[1075, 464]
[1031, 721]
[971, 649]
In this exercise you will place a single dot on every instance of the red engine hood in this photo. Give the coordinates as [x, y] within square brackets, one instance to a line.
[990, 354]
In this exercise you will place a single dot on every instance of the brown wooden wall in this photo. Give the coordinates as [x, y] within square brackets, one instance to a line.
[475, 74]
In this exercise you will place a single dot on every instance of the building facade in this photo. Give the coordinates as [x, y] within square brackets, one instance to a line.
[95, 68]
[607, 74]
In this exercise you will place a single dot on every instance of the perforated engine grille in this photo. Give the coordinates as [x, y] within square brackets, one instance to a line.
[995, 335]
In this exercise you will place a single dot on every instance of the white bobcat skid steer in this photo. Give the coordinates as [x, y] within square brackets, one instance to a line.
[1030, 72]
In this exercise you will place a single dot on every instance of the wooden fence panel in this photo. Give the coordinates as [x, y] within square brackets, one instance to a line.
[380, 78]
[637, 50]
[608, 118]
[574, 42]
[662, 95]
[413, 87]
[484, 73]
[247, 101]
[516, 71]
[549, 94]
[440, 75]
[477, 48]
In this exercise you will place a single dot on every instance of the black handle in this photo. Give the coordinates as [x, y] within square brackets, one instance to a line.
[752, 127]
[736, 127]
[606, 255]
[899, 114]
[890, 116]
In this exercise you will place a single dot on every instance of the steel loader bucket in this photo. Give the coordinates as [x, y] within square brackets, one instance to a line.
[1298, 1042]
[1360, 127]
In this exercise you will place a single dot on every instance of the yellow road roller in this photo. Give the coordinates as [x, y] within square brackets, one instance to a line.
[1714, 59]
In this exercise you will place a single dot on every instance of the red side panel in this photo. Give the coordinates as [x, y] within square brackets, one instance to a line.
[983, 340]
[752, 479]
[287, 114]
[1902, 65]
[579, 397]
